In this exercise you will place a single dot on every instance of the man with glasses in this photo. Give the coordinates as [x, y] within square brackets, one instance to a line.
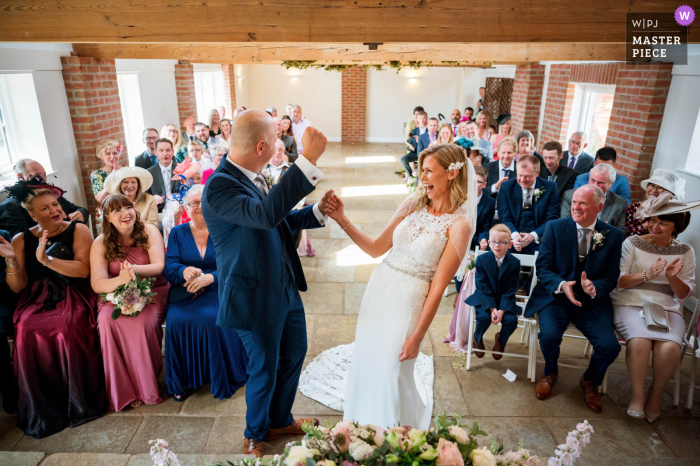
[621, 186]
[148, 158]
[563, 176]
[575, 157]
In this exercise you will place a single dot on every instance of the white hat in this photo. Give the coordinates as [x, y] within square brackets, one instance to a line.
[114, 180]
[664, 204]
[667, 180]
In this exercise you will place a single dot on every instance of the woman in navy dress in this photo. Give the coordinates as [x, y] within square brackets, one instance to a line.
[197, 351]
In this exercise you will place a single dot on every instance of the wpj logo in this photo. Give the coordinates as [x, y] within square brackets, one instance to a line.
[660, 37]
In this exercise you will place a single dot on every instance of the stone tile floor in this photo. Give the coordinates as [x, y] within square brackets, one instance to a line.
[205, 428]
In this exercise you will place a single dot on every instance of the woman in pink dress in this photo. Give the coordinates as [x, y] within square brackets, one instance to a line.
[130, 345]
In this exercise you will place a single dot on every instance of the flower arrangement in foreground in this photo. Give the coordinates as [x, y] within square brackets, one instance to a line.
[160, 455]
[447, 443]
[130, 299]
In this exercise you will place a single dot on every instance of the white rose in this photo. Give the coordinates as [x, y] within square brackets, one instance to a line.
[483, 457]
[459, 434]
[298, 454]
[115, 301]
[265, 173]
[360, 450]
[110, 297]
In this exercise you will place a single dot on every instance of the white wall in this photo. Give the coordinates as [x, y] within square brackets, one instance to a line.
[673, 147]
[318, 92]
[43, 61]
[242, 86]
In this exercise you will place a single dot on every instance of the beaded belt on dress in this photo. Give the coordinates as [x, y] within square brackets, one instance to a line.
[408, 272]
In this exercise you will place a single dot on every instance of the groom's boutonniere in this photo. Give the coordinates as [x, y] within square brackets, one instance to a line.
[598, 238]
[269, 180]
[537, 193]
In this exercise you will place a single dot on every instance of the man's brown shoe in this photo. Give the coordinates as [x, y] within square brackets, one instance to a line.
[592, 396]
[475, 345]
[497, 347]
[292, 429]
[253, 447]
[544, 387]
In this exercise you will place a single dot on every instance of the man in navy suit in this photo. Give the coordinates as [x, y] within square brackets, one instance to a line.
[149, 158]
[485, 211]
[429, 136]
[575, 157]
[252, 227]
[502, 169]
[577, 269]
[526, 204]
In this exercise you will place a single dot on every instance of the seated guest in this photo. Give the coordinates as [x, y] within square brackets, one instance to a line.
[197, 351]
[614, 208]
[8, 385]
[661, 181]
[225, 125]
[455, 116]
[163, 186]
[483, 129]
[108, 150]
[188, 133]
[148, 158]
[468, 114]
[497, 273]
[575, 157]
[526, 146]
[201, 133]
[467, 145]
[413, 124]
[527, 204]
[564, 177]
[485, 211]
[130, 344]
[196, 152]
[215, 164]
[299, 125]
[478, 156]
[287, 126]
[502, 169]
[56, 355]
[659, 271]
[574, 286]
[444, 135]
[133, 182]
[505, 130]
[428, 136]
[179, 145]
[14, 218]
[290, 144]
[272, 111]
[277, 166]
[470, 130]
[412, 144]
[188, 174]
[213, 123]
[621, 187]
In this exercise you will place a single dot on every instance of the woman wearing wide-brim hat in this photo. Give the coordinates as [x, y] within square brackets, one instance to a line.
[659, 270]
[133, 182]
[661, 181]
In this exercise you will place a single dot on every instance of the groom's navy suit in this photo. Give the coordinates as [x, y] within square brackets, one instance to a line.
[261, 275]
[558, 262]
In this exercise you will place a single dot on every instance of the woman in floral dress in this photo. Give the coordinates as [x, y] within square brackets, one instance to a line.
[109, 151]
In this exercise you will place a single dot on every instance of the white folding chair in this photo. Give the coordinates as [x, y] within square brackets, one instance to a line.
[690, 334]
[529, 324]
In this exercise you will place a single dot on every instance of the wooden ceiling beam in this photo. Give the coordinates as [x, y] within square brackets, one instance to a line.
[438, 54]
[323, 20]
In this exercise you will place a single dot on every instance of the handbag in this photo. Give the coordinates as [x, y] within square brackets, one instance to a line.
[655, 317]
[59, 251]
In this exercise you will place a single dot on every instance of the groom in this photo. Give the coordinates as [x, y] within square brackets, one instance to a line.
[253, 229]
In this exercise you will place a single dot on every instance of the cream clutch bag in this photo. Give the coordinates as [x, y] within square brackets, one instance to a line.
[655, 317]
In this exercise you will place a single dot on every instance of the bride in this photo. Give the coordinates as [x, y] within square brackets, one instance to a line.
[428, 238]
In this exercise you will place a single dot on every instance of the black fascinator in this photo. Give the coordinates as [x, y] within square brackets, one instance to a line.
[23, 189]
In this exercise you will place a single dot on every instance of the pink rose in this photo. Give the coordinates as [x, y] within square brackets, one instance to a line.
[448, 454]
[342, 436]
[379, 436]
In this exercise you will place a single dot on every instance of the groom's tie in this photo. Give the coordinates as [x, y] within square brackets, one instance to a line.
[261, 184]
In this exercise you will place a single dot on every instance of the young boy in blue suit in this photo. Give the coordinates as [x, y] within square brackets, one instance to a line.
[497, 274]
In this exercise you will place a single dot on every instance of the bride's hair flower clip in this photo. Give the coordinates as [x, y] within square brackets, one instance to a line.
[455, 166]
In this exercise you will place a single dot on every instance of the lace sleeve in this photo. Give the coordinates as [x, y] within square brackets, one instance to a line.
[407, 206]
[460, 234]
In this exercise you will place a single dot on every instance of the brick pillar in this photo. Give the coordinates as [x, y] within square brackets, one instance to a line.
[229, 89]
[95, 110]
[184, 85]
[635, 121]
[354, 104]
[527, 98]
[560, 95]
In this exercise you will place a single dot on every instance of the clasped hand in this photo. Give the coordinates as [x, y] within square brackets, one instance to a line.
[126, 273]
[586, 284]
[196, 280]
[522, 240]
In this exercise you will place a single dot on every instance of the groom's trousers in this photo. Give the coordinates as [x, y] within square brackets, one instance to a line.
[275, 359]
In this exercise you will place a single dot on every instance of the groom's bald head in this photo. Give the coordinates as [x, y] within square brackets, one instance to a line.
[253, 137]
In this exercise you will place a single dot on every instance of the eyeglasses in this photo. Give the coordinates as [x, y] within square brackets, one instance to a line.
[195, 204]
[655, 187]
[502, 243]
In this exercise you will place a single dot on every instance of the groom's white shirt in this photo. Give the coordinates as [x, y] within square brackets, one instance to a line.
[312, 173]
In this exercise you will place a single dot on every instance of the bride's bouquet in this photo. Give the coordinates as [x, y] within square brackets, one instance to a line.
[130, 299]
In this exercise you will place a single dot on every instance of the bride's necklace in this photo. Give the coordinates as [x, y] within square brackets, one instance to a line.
[660, 248]
[198, 242]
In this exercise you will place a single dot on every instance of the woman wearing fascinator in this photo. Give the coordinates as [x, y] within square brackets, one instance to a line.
[661, 181]
[657, 273]
[427, 242]
[57, 361]
[189, 173]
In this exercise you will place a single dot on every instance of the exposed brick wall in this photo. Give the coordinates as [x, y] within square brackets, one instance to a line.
[354, 103]
[638, 108]
[95, 110]
[527, 98]
[184, 85]
[229, 89]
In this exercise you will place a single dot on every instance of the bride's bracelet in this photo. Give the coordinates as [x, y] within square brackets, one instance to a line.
[644, 276]
[347, 226]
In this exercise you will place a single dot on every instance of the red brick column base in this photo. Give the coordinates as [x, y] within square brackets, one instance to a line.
[354, 104]
[229, 89]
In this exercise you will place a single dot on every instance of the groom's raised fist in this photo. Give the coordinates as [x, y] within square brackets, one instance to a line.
[314, 144]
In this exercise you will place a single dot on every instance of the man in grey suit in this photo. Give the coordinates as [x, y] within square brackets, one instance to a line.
[575, 157]
[614, 208]
[163, 186]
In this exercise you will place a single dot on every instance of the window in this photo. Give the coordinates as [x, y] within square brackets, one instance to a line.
[5, 151]
[590, 113]
[692, 163]
[209, 92]
[130, 97]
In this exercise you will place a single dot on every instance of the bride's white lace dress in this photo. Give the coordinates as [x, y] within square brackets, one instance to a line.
[380, 390]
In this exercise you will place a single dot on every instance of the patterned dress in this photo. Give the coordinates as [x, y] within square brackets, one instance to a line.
[97, 181]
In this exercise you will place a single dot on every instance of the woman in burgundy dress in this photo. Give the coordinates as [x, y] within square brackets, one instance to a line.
[130, 344]
[57, 359]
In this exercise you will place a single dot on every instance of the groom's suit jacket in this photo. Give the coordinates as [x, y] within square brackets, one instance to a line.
[557, 263]
[253, 236]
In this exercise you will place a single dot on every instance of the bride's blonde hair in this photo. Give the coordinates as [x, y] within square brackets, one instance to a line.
[445, 155]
